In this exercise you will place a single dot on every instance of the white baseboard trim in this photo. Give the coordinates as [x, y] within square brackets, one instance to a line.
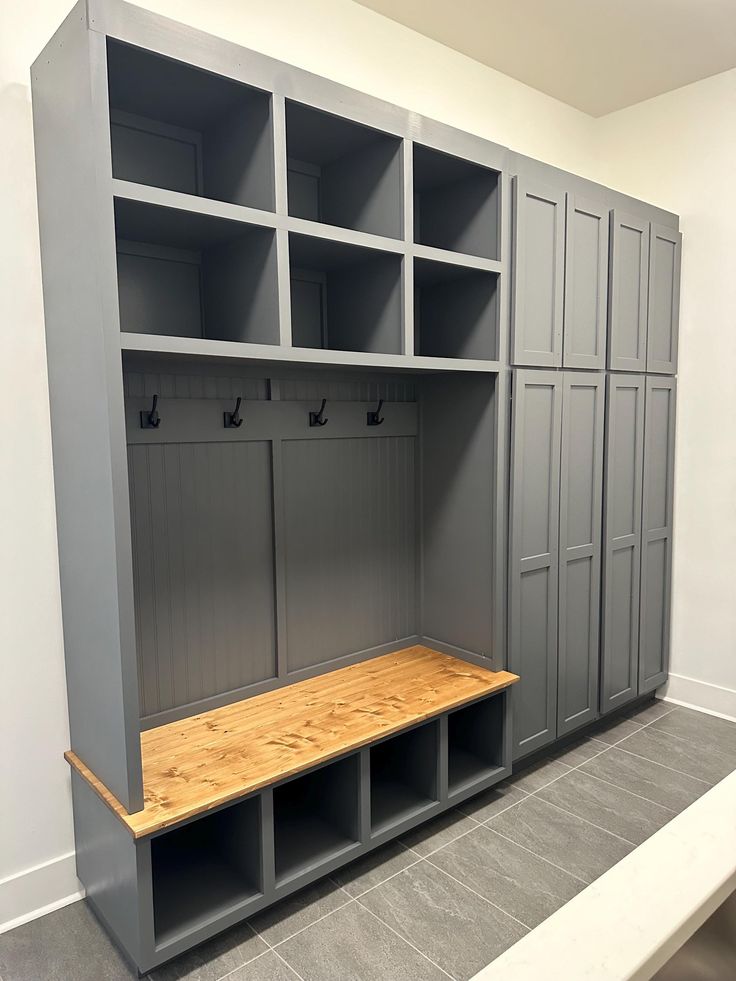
[42, 889]
[700, 695]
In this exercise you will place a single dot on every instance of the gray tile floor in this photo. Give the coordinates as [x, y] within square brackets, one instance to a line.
[452, 895]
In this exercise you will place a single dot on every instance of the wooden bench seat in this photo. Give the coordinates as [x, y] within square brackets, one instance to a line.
[195, 764]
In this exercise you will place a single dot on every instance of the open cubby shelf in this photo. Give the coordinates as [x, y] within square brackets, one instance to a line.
[404, 780]
[188, 274]
[343, 173]
[475, 744]
[344, 297]
[206, 869]
[178, 127]
[456, 203]
[456, 310]
[316, 818]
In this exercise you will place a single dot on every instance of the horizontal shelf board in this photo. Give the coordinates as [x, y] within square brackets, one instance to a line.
[393, 802]
[345, 236]
[275, 354]
[199, 763]
[456, 258]
[467, 770]
[306, 843]
[192, 203]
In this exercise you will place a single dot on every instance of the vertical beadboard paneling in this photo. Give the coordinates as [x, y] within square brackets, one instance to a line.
[203, 569]
[172, 385]
[390, 389]
[350, 545]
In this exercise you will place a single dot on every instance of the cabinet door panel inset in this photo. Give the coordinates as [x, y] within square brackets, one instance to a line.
[624, 453]
[537, 419]
[656, 553]
[539, 260]
[586, 284]
[664, 299]
[581, 484]
[628, 292]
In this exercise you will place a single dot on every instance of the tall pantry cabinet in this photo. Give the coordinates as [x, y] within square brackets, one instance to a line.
[595, 304]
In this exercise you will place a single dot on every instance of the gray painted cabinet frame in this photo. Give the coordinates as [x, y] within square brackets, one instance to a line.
[628, 293]
[586, 283]
[624, 459]
[656, 545]
[665, 254]
[581, 489]
[534, 555]
[538, 271]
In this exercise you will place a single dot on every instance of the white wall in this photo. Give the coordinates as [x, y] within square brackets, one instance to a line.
[679, 151]
[346, 42]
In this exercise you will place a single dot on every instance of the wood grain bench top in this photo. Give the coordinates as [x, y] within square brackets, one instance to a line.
[195, 764]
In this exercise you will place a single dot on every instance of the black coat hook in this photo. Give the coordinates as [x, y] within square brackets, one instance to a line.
[317, 418]
[375, 418]
[151, 419]
[233, 420]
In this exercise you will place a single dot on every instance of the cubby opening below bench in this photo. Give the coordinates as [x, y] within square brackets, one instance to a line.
[230, 752]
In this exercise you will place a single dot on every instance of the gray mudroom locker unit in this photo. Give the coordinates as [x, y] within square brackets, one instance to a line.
[363, 441]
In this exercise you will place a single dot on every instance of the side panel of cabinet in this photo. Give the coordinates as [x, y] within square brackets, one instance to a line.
[665, 249]
[624, 453]
[627, 293]
[539, 266]
[581, 490]
[586, 284]
[535, 482]
[656, 546]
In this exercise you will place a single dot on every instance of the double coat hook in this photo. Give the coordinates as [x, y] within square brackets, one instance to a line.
[375, 418]
[150, 419]
[318, 418]
[233, 420]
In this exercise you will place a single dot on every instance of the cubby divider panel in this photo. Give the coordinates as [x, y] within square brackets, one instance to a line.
[455, 311]
[344, 297]
[178, 127]
[475, 743]
[316, 818]
[193, 275]
[456, 204]
[343, 173]
[205, 869]
[404, 780]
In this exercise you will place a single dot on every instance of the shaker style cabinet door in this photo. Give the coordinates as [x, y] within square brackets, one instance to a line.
[581, 489]
[665, 249]
[656, 545]
[586, 284]
[535, 485]
[539, 267]
[627, 293]
[624, 452]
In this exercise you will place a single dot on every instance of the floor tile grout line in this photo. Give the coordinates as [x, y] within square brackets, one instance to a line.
[223, 977]
[592, 823]
[503, 809]
[319, 918]
[672, 768]
[388, 878]
[288, 965]
[407, 942]
[665, 767]
[672, 735]
[654, 763]
[540, 857]
[632, 792]
[479, 895]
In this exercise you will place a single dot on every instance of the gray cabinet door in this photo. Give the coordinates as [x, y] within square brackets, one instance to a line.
[624, 452]
[627, 294]
[535, 485]
[656, 535]
[581, 491]
[665, 249]
[539, 266]
[586, 284]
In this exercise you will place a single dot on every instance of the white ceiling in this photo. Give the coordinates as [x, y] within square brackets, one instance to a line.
[597, 55]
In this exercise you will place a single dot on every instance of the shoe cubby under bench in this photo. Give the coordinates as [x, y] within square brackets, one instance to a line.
[249, 802]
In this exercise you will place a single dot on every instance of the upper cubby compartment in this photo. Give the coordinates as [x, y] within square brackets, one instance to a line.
[187, 274]
[343, 173]
[181, 128]
[455, 204]
[455, 311]
[344, 297]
